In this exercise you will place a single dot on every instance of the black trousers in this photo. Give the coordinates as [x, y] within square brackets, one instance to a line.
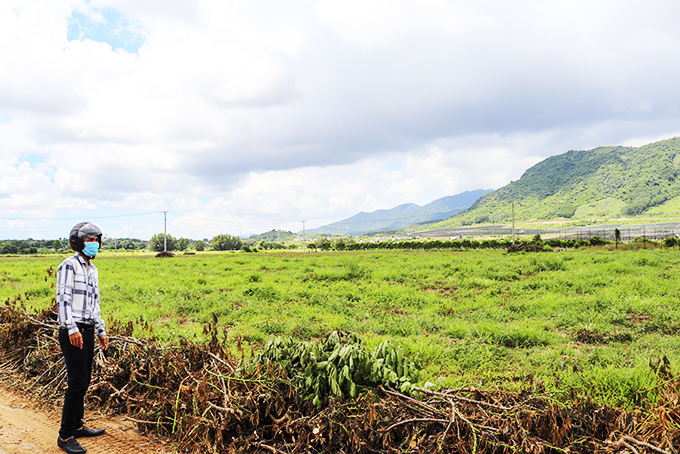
[79, 368]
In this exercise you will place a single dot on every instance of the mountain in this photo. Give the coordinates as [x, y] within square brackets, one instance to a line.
[402, 215]
[605, 182]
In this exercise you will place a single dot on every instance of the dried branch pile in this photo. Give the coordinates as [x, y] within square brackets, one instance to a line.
[523, 247]
[197, 395]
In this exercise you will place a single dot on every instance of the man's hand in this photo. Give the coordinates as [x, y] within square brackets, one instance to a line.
[76, 339]
[103, 342]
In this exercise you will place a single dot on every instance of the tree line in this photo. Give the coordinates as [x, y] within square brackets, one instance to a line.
[341, 244]
[31, 246]
[157, 243]
[225, 242]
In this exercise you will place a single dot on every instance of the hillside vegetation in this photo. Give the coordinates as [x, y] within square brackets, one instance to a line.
[606, 182]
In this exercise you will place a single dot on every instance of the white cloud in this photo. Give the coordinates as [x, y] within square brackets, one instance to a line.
[377, 24]
[264, 113]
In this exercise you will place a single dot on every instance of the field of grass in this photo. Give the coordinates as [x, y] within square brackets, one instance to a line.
[586, 320]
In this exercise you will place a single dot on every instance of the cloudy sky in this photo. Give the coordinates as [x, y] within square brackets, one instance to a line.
[240, 116]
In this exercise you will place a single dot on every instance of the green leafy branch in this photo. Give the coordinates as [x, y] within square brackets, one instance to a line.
[339, 366]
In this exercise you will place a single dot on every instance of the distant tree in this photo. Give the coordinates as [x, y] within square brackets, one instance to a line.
[57, 245]
[617, 237]
[267, 245]
[324, 244]
[8, 248]
[156, 242]
[183, 244]
[225, 242]
[536, 238]
[128, 245]
[200, 245]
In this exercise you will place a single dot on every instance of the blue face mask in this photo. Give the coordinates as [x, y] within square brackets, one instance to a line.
[91, 249]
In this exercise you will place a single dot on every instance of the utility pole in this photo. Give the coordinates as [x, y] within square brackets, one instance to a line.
[304, 240]
[165, 231]
[513, 222]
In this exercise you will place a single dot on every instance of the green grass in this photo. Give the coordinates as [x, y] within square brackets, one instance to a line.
[589, 320]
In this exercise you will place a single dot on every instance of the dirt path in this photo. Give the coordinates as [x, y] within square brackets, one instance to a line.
[26, 429]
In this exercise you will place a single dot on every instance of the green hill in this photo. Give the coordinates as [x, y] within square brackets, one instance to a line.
[274, 235]
[606, 182]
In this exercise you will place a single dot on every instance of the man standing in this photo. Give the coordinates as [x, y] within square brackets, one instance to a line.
[79, 319]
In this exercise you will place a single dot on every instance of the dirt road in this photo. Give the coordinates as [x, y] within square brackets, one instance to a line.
[26, 429]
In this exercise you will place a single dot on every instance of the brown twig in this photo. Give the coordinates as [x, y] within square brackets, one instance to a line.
[453, 418]
[635, 451]
[463, 399]
[35, 321]
[217, 407]
[408, 421]
[118, 391]
[222, 361]
[280, 420]
[262, 445]
[129, 340]
[646, 445]
[410, 399]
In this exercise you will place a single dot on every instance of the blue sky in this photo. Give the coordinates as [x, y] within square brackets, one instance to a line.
[105, 25]
[242, 117]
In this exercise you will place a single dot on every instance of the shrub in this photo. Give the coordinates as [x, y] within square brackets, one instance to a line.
[225, 242]
[597, 241]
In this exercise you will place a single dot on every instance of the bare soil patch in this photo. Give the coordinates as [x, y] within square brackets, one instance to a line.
[27, 429]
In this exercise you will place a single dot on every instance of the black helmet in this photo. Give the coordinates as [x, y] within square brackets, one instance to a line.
[83, 230]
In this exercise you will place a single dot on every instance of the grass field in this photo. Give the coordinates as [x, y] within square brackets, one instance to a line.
[586, 320]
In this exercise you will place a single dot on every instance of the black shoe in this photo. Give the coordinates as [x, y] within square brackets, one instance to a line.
[71, 446]
[85, 432]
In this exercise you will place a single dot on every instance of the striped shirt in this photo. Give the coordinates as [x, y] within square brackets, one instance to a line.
[78, 295]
